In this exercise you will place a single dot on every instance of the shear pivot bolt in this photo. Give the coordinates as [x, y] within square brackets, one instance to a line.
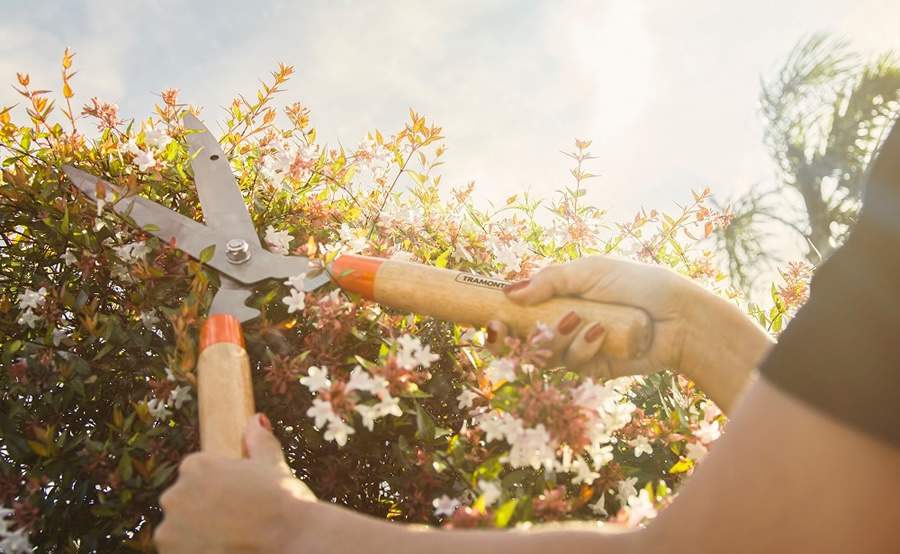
[237, 251]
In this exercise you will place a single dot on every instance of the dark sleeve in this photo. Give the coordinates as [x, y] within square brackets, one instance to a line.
[841, 353]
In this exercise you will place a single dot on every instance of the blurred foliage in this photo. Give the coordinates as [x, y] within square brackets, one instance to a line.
[826, 112]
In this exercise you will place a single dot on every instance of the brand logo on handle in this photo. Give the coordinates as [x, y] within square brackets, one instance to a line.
[480, 281]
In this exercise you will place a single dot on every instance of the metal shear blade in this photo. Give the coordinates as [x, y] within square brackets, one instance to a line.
[239, 256]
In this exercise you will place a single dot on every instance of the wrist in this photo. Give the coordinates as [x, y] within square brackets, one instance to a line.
[722, 347]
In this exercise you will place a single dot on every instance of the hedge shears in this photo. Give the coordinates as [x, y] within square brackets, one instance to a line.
[225, 392]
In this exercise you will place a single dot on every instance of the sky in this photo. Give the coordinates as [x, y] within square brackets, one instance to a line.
[667, 91]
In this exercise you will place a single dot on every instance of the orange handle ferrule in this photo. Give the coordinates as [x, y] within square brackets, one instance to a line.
[221, 328]
[357, 274]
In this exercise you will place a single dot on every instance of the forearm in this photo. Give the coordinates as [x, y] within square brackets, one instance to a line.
[574, 538]
[320, 526]
[723, 348]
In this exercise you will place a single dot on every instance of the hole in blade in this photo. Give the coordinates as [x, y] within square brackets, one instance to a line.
[214, 157]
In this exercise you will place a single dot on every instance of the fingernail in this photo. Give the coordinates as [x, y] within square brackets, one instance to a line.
[595, 332]
[491, 333]
[568, 323]
[516, 286]
[264, 421]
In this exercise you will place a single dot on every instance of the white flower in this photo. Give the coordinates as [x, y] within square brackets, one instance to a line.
[473, 336]
[316, 380]
[16, 543]
[321, 411]
[360, 379]
[424, 357]
[338, 431]
[640, 507]
[490, 491]
[156, 138]
[710, 410]
[354, 240]
[641, 446]
[369, 414]
[601, 455]
[708, 432]
[445, 506]
[627, 490]
[169, 375]
[28, 318]
[695, 451]
[531, 447]
[131, 147]
[599, 507]
[133, 251]
[149, 319]
[4, 514]
[297, 281]
[295, 302]
[583, 473]
[31, 299]
[595, 397]
[180, 395]
[69, 258]
[58, 336]
[500, 370]
[493, 425]
[389, 406]
[509, 255]
[465, 398]
[144, 160]
[158, 409]
[278, 241]
[411, 353]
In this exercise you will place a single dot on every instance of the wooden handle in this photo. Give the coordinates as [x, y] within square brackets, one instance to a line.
[475, 299]
[224, 387]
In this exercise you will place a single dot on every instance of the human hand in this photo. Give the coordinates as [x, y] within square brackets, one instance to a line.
[694, 331]
[225, 505]
[662, 293]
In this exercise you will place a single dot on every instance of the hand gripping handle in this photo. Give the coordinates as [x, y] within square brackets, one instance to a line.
[475, 299]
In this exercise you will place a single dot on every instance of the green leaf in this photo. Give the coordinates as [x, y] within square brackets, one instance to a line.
[125, 469]
[441, 261]
[39, 449]
[207, 253]
[64, 224]
[681, 466]
[25, 141]
[424, 424]
[505, 512]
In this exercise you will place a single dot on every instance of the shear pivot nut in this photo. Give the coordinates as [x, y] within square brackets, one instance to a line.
[237, 251]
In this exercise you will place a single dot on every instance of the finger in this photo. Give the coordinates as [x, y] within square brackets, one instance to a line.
[497, 332]
[585, 345]
[564, 332]
[261, 444]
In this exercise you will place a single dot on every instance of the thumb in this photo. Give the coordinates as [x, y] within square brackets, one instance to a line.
[554, 280]
[262, 446]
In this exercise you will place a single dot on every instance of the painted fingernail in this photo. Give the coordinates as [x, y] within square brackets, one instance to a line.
[518, 285]
[264, 421]
[595, 332]
[491, 332]
[568, 323]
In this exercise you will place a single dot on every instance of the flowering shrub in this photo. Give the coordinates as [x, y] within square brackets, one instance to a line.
[392, 414]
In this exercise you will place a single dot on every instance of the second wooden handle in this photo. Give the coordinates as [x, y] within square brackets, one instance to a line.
[474, 299]
[224, 387]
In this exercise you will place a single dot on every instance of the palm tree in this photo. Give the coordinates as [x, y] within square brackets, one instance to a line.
[826, 112]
